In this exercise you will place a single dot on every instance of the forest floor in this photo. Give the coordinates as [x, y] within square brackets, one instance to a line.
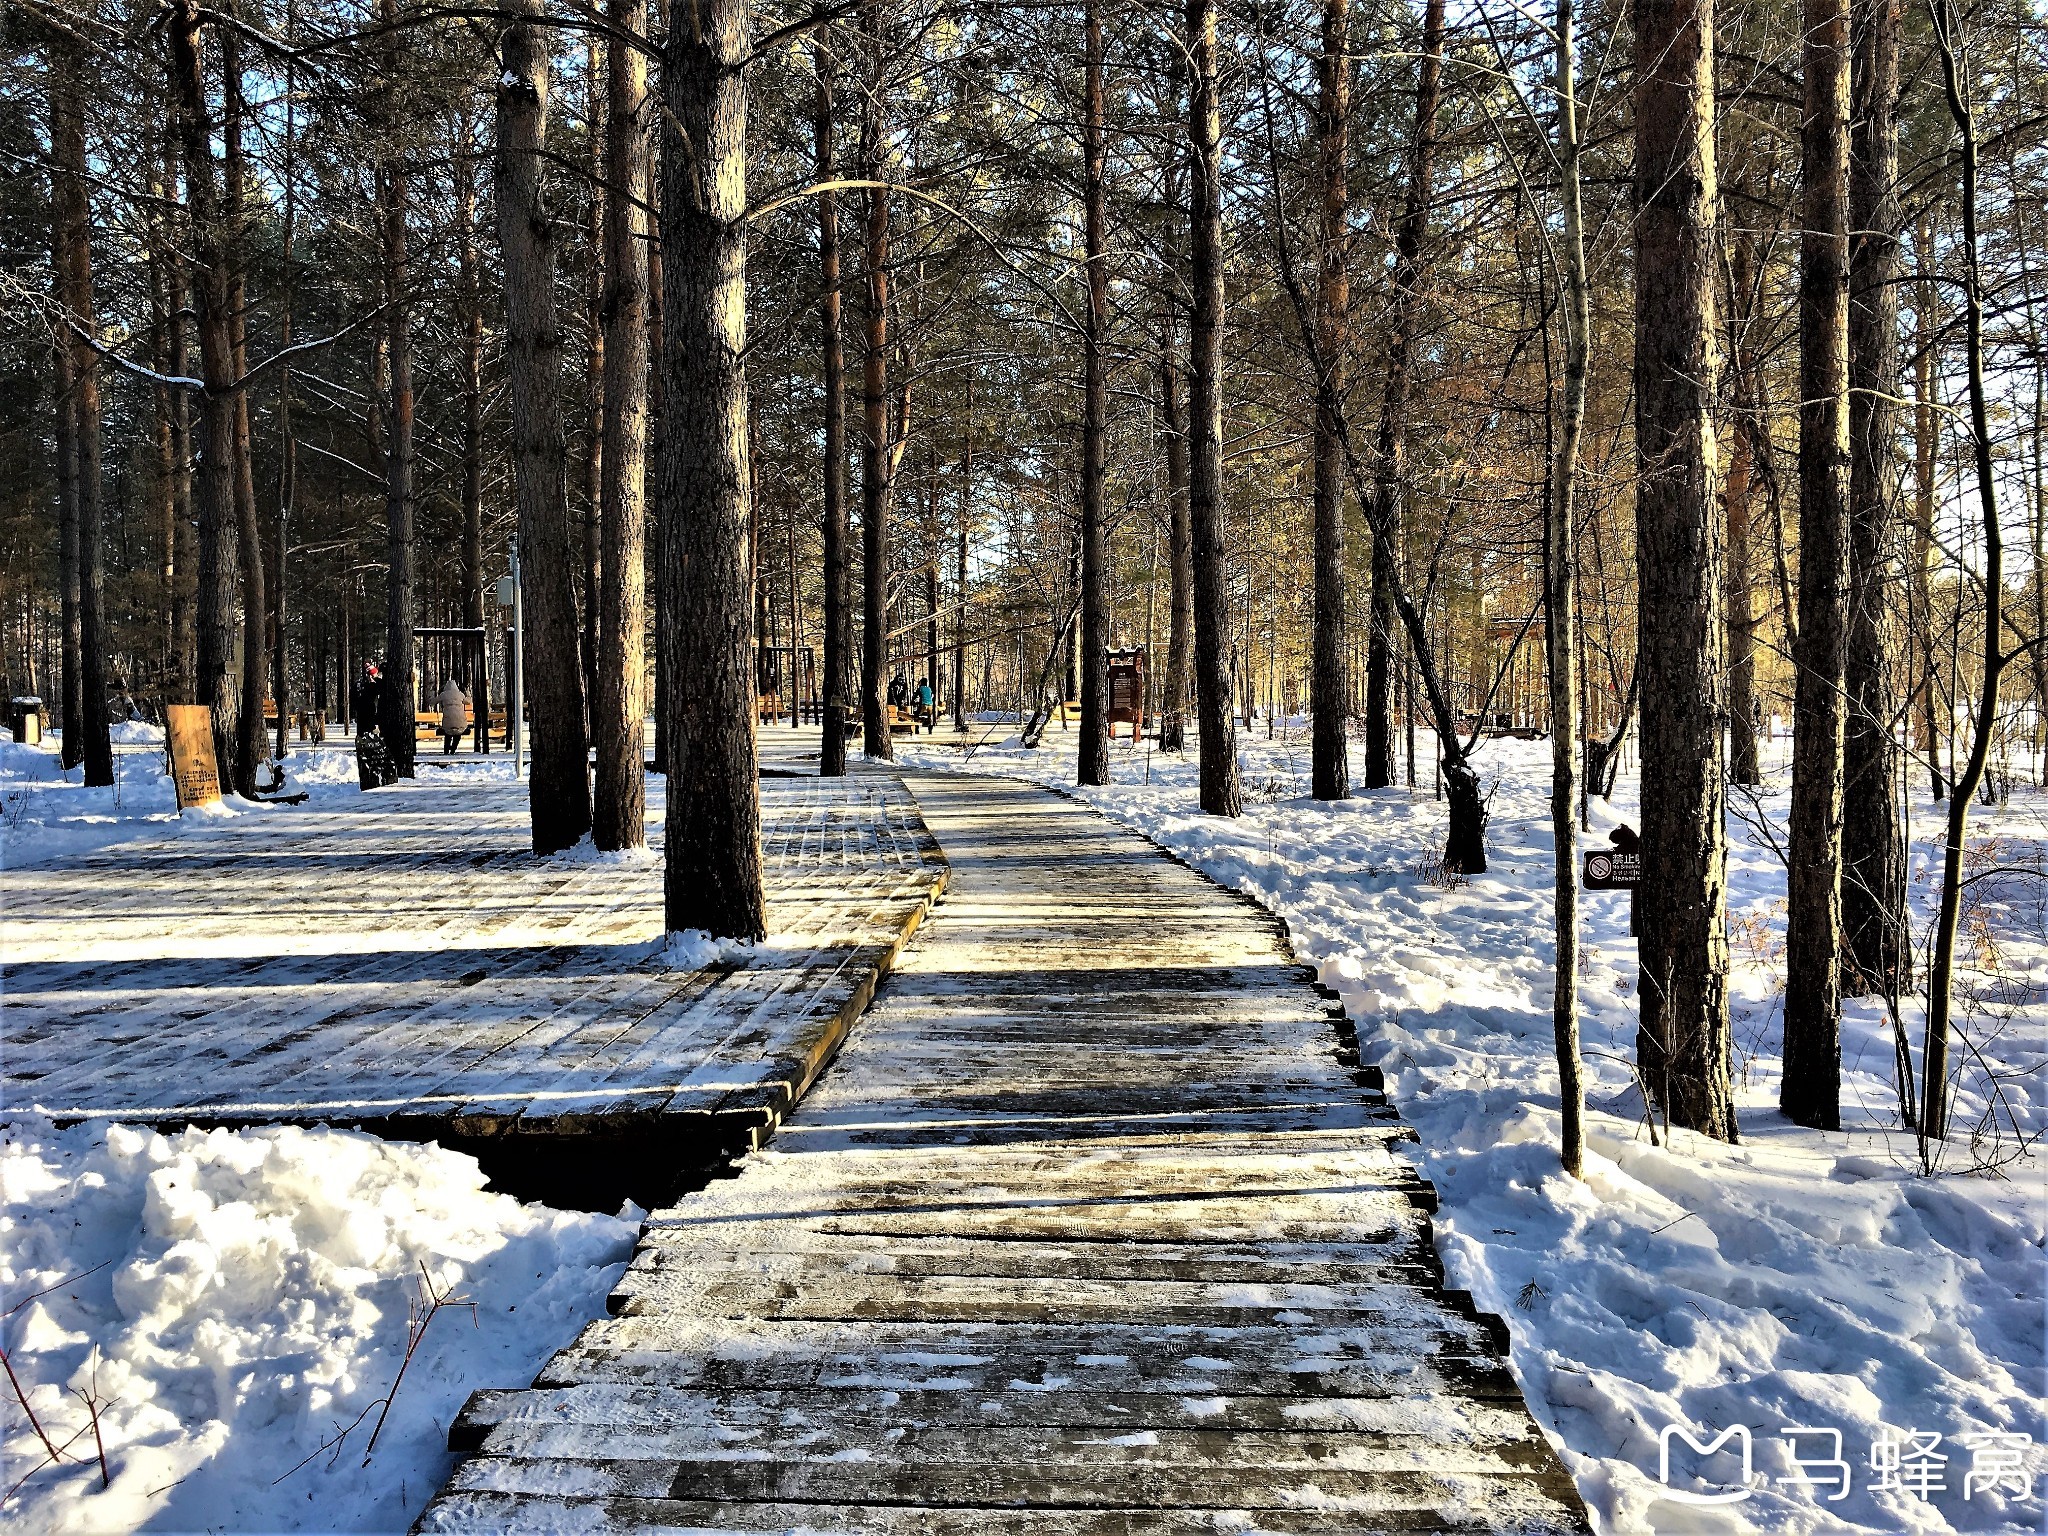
[1799, 1281]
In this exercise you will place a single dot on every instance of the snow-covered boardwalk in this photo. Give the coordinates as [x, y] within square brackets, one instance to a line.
[1089, 1229]
[407, 965]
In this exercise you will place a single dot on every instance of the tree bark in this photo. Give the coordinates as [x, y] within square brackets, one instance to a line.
[1221, 794]
[1390, 460]
[1559, 585]
[876, 464]
[1934, 1097]
[619, 809]
[712, 879]
[1873, 856]
[838, 622]
[1180, 642]
[469, 306]
[210, 257]
[85, 670]
[250, 747]
[1329, 687]
[1682, 1044]
[1810, 1090]
[1926, 443]
[960, 571]
[401, 697]
[1093, 757]
[594, 376]
[560, 792]
[1738, 498]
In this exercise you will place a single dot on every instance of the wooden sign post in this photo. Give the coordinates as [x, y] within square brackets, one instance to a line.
[1127, 691]
[194, 771]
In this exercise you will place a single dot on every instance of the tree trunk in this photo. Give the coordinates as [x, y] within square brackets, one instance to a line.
[1220, 792]
[1926, 444]
[288, 447]
[619, 809]
[470, 314]
[86, 737]
[1810, 1091]
[838, 622]
[401, 697]
[876, 466]
[560, 793]
[712, 879]
[960, 570]
[1180, 642]
[1329, 687]
[1094, 745]
[1934, 1098]
[1390, 460]
[1738, 498]
[248, 744]
[594, 377]
[1560, 581]
[1682, 1045]
[1873, 856]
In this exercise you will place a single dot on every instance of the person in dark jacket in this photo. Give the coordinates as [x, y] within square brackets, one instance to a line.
[366, 704]
[899, 691]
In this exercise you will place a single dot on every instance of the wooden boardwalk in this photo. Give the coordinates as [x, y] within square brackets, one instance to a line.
[1091, 1228]
[404, 963]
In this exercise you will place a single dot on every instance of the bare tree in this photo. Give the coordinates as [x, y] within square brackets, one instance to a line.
[560, 793]
[86, 737]
[1094, 746]
[210, 255]
[1682, 1042]
[1873, 862]
[1952, 47]
[712, 879]
[1330, 690]
[619, 803]
[401, 698]
[838, 622]
[1810, 1090]
[1560, 582]
[1390, 456]
[1220, 791]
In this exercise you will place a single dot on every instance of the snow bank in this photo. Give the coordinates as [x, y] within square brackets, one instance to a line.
[235, 1301]
[1800, 1281]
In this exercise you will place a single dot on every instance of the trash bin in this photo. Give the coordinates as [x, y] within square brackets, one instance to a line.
[25, 719]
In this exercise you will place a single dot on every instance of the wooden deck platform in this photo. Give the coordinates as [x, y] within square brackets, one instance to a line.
[403, 963]
[1092, 1227]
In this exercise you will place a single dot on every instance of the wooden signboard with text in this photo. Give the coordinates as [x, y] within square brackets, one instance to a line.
[1619, 869]
[194, 771]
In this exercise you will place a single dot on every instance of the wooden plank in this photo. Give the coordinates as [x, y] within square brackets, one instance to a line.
[1090, 1227]
[487, 1512]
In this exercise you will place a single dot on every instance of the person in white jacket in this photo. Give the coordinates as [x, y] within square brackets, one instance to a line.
[454, 716]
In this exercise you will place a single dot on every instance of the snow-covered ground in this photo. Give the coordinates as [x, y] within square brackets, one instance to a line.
[48, 813]
[238, 1303]
[1799, 1282]
[235, 1301]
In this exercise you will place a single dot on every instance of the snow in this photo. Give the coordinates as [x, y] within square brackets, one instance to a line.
[47, 813]
[235, 1301]
[1802, 1280]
